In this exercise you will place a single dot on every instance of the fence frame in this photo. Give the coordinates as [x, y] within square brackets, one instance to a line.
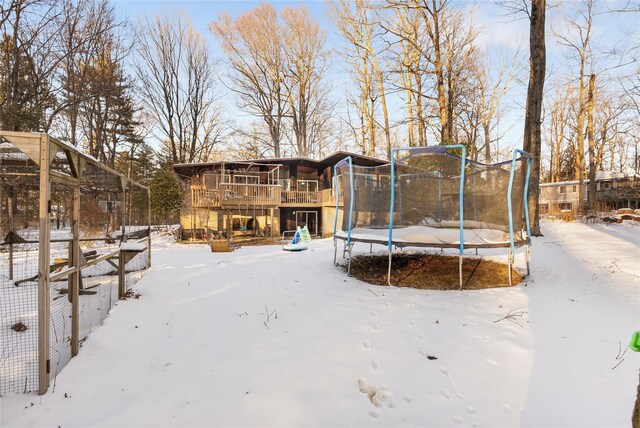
[41, 149]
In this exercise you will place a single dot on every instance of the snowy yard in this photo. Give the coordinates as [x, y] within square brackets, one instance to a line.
[262, 337]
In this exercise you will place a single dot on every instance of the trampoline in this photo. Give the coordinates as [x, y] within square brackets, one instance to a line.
[434, 197]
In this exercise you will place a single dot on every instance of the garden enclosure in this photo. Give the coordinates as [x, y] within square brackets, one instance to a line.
[74, 236]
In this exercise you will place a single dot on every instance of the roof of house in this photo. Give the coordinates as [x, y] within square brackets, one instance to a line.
[600, 176]
[188, 169]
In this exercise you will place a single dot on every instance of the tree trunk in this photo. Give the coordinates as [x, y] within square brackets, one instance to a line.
[422, 133]
[635, 418]
[487, 143]
[592, 144]
[383, 102]
[372, 130]
[442, 100]
[408, 86]
[579, 151]
[532, 124]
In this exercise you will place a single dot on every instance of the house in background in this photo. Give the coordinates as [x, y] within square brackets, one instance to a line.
[261, 197]
[613, 190]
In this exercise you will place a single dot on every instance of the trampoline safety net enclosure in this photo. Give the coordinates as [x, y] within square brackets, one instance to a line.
[64, 221]
[435, 197]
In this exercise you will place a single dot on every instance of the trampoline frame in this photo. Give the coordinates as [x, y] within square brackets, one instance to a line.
[349, 240]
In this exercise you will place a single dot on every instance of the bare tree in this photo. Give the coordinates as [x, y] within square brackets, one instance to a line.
[307, 61]
[357, 28]
[252, 45]
[592, 141]
[532, 124]
[558, 111]
[176, 82]
[432, 12]
[578, 40]
[493, 83]
[29, 41]
[410, 47]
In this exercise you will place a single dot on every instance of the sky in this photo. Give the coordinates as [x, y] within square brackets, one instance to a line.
[500, 35]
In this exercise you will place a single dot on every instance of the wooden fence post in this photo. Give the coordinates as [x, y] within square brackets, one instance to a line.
[149, 227]
[74, 278]
[44, 298]
[122, 275]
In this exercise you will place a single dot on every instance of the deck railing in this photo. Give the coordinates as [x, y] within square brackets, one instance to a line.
[235, 193]
[298, 197]
[229, 194]
[203, 197]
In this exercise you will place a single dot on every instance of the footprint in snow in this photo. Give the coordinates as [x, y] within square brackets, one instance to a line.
[376, 327]
[492, 362]
[195, 266]
[375, 364]
[471, 410]
[408, 398]
[379, 396]
[366, 344]
[445, 394]
[458, 420]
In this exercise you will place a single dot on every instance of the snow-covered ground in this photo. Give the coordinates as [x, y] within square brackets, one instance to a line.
[262, 337]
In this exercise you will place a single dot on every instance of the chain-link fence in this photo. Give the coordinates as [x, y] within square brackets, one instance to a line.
[74, 236]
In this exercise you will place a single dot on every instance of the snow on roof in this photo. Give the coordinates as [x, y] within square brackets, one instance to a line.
[132, 246]
[610, 175]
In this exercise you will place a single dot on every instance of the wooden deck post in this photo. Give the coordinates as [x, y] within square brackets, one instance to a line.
[44, 298]
[122, 275]
[123, 187]
[271, 231]
[149, 228]
[10, 219]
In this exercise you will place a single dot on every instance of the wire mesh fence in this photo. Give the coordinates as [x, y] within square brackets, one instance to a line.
[75, 236]
[428, 191]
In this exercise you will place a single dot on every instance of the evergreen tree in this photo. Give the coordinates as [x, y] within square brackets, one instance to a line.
[166, 194]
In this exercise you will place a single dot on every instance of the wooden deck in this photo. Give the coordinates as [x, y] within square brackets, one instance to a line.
[258, 194]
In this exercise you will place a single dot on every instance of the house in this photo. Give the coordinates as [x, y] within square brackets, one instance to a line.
[261, 197]
[613, 190]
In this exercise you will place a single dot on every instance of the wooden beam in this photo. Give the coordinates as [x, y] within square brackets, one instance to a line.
[10, 215]
[53, 150]
[44, 298]
[74, 279]
[27, 142]
[123, 188]
[149, 227]
[60, 177]
[122, 275]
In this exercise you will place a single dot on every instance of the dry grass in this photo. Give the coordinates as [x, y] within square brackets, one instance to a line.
[433, 272]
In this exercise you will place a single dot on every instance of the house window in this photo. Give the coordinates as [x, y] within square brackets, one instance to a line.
[544, 209]
[246, 179]
[565, 206]
[308, 185]
[563, 189]
[575, 188]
